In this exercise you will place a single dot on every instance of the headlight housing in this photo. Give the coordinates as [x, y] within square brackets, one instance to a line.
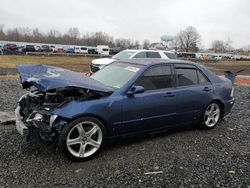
[52, 120]
[38, 117]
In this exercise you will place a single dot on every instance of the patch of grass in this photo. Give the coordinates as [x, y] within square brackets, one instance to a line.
[10, 61]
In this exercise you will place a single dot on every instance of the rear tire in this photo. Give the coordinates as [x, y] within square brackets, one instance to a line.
[211, 116]
[82, 139]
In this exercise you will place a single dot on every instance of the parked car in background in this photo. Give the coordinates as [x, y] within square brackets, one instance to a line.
[10, 48]
[29, 48]
[92, 50]
[38, 48]
[53, 48]
[59, 50]
[77, 50]
[103, 49]
[46, 48]
[83, 50]
[97, 64]
[115, 50]
[129, 97]
[70, 50]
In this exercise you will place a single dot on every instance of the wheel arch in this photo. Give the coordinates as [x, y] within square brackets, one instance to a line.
[101, 119]
[221, 104]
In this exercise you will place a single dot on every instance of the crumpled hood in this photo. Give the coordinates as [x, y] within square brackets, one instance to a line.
[45, 78]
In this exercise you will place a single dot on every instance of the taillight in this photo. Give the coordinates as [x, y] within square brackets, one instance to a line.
[232, 92]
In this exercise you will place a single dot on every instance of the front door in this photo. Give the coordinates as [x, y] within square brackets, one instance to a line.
[156, 107]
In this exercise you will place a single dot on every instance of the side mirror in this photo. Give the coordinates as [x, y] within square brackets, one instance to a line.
[135, 89]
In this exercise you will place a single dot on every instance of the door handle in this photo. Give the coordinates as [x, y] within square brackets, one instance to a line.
[207, 89]
[169, 94]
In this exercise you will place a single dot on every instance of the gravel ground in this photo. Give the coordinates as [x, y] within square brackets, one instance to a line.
[186, 157]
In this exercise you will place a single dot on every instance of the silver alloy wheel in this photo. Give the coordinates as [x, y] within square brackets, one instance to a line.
[83, 143]
[212, 115]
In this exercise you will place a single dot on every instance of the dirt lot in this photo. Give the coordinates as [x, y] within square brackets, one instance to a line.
[185, 157]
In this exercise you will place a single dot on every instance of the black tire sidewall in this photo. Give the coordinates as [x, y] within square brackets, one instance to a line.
[62, 137]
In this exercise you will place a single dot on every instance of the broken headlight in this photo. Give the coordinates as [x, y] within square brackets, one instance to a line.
[52, 120]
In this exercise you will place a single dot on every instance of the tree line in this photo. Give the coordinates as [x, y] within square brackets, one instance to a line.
[186, 40]
[71, 37]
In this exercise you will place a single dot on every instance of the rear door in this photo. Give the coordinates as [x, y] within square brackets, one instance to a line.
[193, 92]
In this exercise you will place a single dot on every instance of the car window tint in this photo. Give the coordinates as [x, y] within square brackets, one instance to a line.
[202, 79]
[157, 77]
[170, 55]
[140, 55]
[186, 75]
[153, 55]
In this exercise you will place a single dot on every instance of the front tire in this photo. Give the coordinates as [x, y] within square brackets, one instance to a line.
[82, 139]
[211, 116]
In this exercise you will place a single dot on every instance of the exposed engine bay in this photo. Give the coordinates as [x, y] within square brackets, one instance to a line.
[37, 100]
[34, 110]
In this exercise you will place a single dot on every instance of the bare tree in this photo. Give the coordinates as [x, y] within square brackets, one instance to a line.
[37, 35]
[188, 39]
[220, 46]
[145, 44]
[2, 34]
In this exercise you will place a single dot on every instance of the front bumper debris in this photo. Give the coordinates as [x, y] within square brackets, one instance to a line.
[20, 126]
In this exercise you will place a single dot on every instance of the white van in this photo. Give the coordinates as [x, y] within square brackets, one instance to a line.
[83, 50]
[103, 49]
[77, 49]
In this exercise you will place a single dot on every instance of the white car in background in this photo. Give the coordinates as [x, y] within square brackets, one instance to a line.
[98, 64]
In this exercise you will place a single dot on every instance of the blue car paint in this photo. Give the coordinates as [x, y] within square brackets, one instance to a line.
[123, 114]
[45, 78]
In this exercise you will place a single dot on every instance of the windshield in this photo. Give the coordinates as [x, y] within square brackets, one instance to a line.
[123, 55]
[116, 75]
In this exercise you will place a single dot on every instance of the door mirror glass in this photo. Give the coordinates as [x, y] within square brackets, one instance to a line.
[135, 89]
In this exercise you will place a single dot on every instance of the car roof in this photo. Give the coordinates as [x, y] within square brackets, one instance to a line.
[149, 61]
[144, 50]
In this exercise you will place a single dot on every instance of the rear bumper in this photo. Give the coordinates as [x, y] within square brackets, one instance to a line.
[228, 106]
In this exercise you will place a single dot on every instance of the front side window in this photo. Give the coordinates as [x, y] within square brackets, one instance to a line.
[156, 77]
[186, 75]
[141, 55]
[153, 55]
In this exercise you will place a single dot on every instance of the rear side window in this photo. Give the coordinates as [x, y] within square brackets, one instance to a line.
[186, 75]
[170, 55]
[140, 55]
[157, 77]
[153, 55]
[202, 79]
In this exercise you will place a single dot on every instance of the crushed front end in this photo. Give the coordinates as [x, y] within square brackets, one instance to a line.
[50, 88]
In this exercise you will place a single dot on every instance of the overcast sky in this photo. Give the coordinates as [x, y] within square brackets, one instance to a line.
[135, 19]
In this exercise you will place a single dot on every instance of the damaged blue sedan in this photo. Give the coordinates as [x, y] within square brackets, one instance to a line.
[81, 113]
